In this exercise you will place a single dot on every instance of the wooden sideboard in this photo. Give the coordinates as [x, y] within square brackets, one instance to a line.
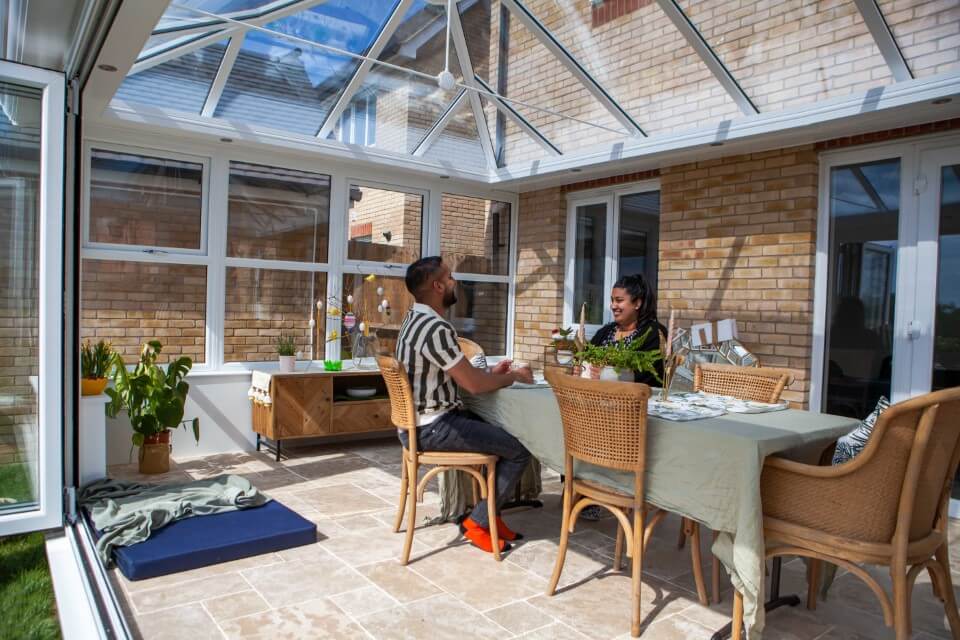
[315, 404]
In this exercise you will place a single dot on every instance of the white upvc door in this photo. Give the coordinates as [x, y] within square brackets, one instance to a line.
[31, 298]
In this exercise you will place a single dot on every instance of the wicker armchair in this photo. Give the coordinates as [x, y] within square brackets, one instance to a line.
[403, 415]
[747, 383]
[605, 424]
[888, 506]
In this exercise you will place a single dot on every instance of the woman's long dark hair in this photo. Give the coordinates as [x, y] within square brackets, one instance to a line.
[637, 287]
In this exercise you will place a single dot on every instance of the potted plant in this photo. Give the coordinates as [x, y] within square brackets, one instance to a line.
[154, 400]
[618, 361]
[94, 364]
[563, 345]
[287, 352]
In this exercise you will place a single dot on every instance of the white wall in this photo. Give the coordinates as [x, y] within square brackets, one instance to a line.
[219, 400]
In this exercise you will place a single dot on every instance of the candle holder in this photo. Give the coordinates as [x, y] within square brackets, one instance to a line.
[670, 365]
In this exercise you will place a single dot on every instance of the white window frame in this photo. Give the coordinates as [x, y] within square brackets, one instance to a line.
[905, 380]
[203, 250]
[49, 511]
[610, 196]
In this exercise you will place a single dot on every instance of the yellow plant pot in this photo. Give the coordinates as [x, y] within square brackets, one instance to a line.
[92, 386]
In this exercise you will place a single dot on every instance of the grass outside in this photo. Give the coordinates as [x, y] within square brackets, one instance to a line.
[14, 484]
[26, 592]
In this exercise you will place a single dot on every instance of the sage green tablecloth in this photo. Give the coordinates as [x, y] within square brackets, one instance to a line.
[708, 470]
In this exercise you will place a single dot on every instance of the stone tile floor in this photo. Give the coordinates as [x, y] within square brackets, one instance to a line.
[349, 584]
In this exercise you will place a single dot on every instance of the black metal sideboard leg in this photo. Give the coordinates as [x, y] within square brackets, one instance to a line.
[258, 442]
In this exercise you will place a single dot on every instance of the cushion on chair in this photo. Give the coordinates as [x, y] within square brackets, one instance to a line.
[212, 539]
[853, 443]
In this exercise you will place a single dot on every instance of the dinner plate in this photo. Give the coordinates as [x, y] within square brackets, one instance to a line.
[361, 392]
[750, 406]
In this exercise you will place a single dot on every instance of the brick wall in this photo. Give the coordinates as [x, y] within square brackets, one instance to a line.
[736, 240]
[396, 212]
[475, 234]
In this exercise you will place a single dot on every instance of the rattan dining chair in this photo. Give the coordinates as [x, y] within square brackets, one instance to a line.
[760, 384]
[888, 506]
[605, 424]
[403, 414]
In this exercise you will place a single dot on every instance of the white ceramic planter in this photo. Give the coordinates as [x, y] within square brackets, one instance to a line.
[288, 364]
[564, 356]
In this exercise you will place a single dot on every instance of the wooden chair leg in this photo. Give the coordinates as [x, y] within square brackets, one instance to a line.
[901, 603]
[404, 489]
[813, 581]
[946, 590]
[737, 626]
[715, 573]
[636, 575]
[564, 536]
[618, 548]
[411, 510]
[477, 490]
[694, 532]
[682, 535]
[492, 509]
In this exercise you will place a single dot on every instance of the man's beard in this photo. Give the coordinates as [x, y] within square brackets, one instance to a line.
[450, 298]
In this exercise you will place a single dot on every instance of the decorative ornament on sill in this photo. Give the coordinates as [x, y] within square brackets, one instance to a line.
[357, 320]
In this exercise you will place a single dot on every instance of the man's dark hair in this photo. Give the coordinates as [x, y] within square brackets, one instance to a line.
[421, 271]
[637, 287]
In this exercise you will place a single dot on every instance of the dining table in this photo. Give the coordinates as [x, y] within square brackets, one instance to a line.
[706, 469]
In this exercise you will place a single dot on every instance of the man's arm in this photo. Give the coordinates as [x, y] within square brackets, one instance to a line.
[477, 381]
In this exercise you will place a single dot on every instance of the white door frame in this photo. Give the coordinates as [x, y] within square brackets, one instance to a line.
[49, 511]
[913, 315]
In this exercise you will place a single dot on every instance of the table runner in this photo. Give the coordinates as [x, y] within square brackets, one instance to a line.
[707, 470]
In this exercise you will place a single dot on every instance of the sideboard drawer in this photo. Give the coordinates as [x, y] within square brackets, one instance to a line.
[360, 416]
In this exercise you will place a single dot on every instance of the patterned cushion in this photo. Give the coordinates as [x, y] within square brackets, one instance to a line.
[479, 360]
[853, 443]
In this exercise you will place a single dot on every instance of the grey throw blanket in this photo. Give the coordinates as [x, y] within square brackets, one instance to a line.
[128, 512]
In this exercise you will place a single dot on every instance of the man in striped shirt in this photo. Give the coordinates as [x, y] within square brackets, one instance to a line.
[427, 347]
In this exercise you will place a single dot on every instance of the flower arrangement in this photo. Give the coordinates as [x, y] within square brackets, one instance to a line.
[355, 321]
[620, 356]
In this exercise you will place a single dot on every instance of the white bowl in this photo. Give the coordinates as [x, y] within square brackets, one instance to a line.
[361, 392]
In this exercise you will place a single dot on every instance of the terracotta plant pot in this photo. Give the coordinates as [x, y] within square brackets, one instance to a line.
[155, 453]
[92, 386]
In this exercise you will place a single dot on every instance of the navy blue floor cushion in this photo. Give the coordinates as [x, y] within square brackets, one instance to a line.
[205, 540]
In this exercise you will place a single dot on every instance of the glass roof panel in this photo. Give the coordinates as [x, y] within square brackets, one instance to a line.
[181, 83]
[163, 41]
[459, 144]
[792, 52]
[923, 46]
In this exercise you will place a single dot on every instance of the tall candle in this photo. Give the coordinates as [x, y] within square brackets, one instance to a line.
[670, 332]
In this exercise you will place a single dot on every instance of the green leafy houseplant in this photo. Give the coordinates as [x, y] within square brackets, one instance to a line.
[622, 356]
[95, 359]
[153, 398]
[286, 346]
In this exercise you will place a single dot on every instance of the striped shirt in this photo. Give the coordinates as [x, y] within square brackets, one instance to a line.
[427, 347]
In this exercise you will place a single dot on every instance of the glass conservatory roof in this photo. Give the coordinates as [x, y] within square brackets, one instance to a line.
[530, 78]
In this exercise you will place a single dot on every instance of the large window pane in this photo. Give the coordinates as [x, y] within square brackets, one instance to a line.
[864, 215]
[145, 201]
[639, 235]
[385, 225]
[20, 142]
[475, 235]
[480, 314]
[262, 304]
[129, 303]
[589, 255]
[946, 337]
[366, 299]
[278, 214]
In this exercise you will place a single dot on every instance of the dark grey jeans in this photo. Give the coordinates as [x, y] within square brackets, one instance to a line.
[460, 430]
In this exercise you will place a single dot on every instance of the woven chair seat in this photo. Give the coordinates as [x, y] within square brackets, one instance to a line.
[456, 458]
[602, 493]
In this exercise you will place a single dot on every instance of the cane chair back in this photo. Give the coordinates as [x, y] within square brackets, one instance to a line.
[470, 348]
[403, 412]
[604, 423]
[760, 384]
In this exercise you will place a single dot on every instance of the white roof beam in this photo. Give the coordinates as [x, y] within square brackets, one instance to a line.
[466, 68]
[566, 58]
[708, 55]
[360, 75]
[884, 39]
[223, 73]
[434, 133]
[507, 109]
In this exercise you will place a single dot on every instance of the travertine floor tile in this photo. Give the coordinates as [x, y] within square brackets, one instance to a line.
[187, 592]
[363, 601]
[519, 617]
[441, 616]
[402, 583]
[341, 499]
[188, 621]
[313, 619]
[235, 605]
[295, 582]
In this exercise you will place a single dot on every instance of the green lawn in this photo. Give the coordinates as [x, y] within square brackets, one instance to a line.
[14, 483]
[26, 592]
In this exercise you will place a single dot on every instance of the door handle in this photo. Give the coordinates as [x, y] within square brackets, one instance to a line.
[914, 329]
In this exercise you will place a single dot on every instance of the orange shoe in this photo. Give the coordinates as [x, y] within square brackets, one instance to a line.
[480, 536]
[506, 532]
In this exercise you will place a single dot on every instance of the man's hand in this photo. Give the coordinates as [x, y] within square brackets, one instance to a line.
[501, 367]
[524, 375]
